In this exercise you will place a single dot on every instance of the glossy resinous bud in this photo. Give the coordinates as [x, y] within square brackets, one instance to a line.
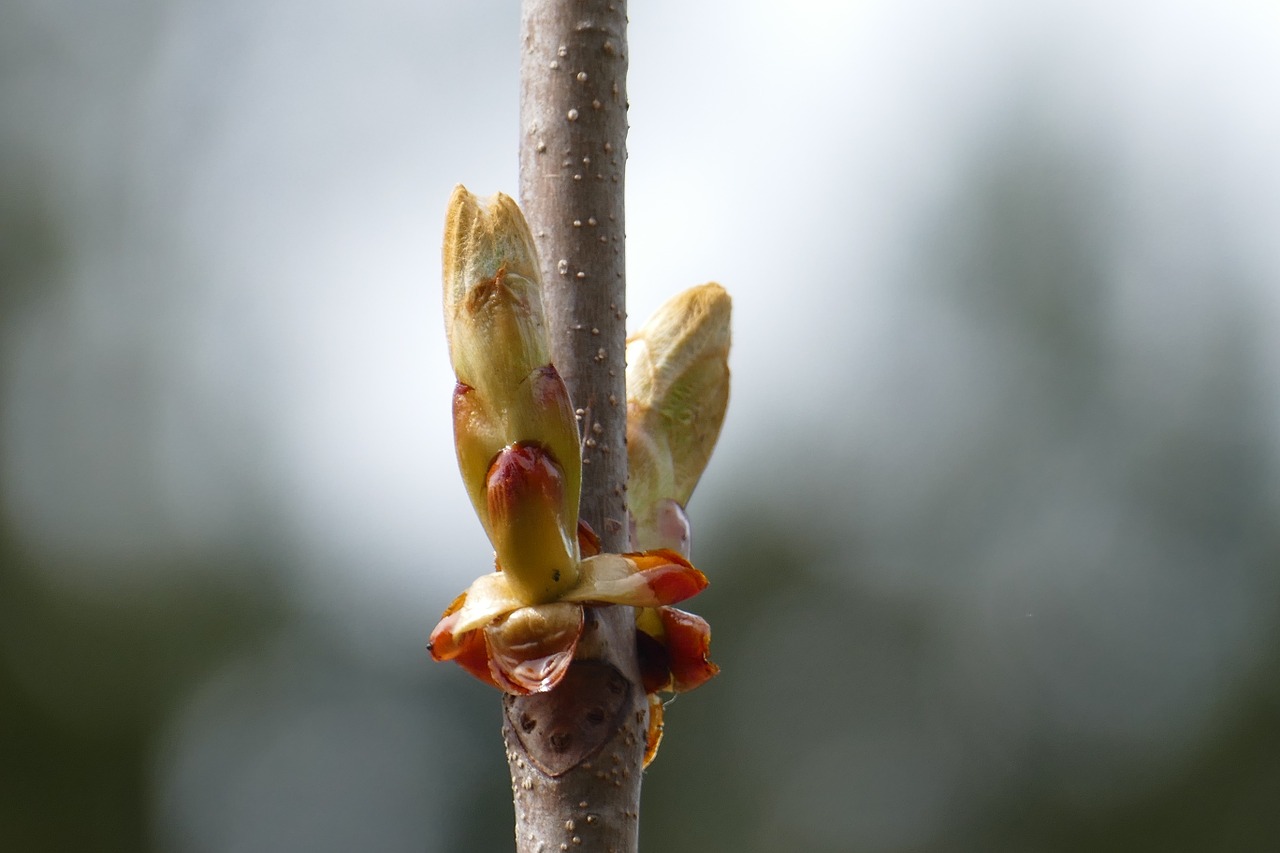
[509, 395]
[524, 492]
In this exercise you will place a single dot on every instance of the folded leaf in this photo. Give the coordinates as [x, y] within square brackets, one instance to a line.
[509, 399]
[677, 393]
[492, 291]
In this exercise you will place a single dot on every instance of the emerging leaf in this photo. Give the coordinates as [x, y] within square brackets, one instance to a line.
[677, 393]
[492, 290]
[510, 404]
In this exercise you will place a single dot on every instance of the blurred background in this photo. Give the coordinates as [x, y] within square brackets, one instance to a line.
[993, 524]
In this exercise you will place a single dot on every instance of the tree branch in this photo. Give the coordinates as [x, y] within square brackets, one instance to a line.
[576, 753]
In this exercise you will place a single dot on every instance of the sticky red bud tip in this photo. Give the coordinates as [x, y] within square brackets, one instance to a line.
[521, 474]
[529, 525]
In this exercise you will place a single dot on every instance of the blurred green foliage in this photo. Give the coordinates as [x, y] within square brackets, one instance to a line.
[87, 686]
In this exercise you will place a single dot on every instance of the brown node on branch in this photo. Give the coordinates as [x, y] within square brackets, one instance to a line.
[561, 729]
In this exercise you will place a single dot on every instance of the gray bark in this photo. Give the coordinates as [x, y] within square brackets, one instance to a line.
[576, 753]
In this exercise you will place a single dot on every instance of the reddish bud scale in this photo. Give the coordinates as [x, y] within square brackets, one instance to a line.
[521, 475]
[524, 492]
[670, 576]
[530, 650]
[655, 663]
[469, 650]
[674, 647]
[673, 583]
[688, 642]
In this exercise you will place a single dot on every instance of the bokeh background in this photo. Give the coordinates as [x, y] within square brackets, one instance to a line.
[993, 524]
